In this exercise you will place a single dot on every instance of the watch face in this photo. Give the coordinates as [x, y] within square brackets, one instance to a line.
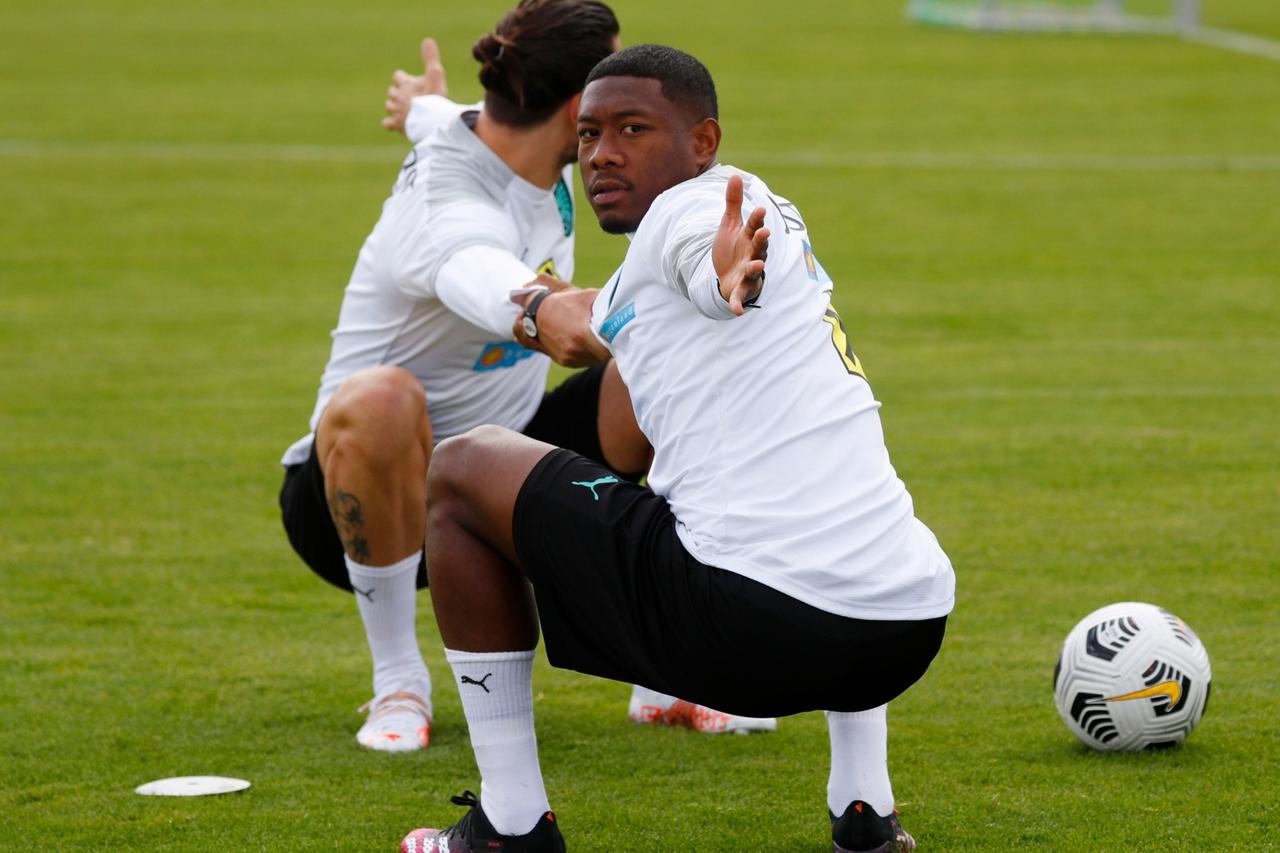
[530, 327]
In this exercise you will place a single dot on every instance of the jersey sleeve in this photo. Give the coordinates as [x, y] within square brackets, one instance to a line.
[476, 284]
[436, 232]
[677, 240]
[429, 112]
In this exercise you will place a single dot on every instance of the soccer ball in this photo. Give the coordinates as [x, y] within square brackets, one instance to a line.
[1131, 676]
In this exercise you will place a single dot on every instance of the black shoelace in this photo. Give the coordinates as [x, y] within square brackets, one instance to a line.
[467, 799]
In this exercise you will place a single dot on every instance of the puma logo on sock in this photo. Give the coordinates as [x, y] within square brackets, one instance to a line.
[481, 683]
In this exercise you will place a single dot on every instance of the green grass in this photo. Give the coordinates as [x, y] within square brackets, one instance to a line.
[1057, 257]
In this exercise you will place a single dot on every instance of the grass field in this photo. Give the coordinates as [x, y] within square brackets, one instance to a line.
[1059, 258]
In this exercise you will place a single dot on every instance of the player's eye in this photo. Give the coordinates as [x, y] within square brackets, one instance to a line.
[633, 129]
[587, 133]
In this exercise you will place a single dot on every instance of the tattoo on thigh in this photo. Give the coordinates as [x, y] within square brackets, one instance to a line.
[348, 517]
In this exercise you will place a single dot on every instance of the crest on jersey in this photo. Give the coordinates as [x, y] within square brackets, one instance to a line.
[812, 267]
[564, 201]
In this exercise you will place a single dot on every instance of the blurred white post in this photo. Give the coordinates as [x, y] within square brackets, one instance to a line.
[1177, 18]
[1187, 15]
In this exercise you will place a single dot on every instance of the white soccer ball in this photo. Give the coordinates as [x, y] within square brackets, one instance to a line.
[1131, 676]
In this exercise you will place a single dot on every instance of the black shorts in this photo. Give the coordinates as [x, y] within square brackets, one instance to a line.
[619, 597]
[565, 418]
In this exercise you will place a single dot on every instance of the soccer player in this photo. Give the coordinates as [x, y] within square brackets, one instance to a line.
[416, 106]
[424, 349]
[776, 538]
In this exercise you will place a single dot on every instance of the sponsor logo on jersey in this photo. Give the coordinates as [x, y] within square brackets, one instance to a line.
[564, 201]
[500, 355]
[548, 268]
[812, 266]
[624, 315]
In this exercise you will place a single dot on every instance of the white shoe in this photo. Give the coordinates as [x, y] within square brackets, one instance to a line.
[398, 722]
[649, 707]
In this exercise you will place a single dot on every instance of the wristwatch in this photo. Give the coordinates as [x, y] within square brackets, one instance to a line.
[529, 322]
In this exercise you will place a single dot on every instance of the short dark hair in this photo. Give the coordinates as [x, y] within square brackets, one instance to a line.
[685, 81]
[538, 56]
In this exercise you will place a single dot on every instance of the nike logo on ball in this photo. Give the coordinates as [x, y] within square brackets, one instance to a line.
[1170, 689]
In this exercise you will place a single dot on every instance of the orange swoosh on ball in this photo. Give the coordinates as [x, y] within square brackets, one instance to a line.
[1171, 689]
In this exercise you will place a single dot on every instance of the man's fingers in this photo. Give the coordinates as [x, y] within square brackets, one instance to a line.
[399, 77]
[552, 283]
[430, 54]
[733, 199]
[760, 243]
[434, 69]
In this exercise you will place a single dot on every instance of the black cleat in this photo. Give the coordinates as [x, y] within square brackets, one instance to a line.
[474, 834]
[861, 830]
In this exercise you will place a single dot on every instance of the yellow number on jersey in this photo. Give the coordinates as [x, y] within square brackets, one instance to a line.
[840, 340]
[548, 268]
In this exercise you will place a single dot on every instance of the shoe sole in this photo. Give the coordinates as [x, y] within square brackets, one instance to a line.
[897, 845]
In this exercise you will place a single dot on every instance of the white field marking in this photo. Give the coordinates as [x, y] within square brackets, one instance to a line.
[1096, 392]
[867, 160]
[1239, 42]
[209, 151]
[967, 162]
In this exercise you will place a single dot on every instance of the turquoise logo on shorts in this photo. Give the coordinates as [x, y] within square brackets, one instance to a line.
[603, 481]
[500, 355]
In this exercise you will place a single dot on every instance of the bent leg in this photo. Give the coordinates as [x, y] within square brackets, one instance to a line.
[374, 446]
[485, 610]
[482, 601]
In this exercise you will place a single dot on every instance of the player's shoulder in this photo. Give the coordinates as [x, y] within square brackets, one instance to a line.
[459, 168]
[702, 193]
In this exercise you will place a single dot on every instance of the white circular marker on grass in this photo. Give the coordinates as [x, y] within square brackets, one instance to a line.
[191, 786]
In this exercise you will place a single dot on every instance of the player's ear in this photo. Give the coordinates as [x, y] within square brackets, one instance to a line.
[573, 105]
[706, 141]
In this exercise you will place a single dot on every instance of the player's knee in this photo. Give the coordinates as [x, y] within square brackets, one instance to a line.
[380, 410]
[452, 461]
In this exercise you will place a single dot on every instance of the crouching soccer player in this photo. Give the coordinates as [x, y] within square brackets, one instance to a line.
[777, 536]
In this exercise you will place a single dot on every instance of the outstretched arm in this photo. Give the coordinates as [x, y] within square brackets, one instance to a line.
[405, 86]
[739, 251]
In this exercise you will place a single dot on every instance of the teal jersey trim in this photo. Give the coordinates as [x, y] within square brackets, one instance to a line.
[564, 201]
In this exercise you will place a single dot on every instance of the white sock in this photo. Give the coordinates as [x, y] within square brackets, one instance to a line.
[859, 760]
[497, 698]
[388, 600]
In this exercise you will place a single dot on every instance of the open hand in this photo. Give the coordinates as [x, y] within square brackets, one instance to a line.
[739, 250]
[405, 86]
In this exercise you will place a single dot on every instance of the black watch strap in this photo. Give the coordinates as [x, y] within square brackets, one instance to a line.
[530, 321]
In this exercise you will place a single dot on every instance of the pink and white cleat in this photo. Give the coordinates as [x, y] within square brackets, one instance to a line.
[649, 707]
[398, 722]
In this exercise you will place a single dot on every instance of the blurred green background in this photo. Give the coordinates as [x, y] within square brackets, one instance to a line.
[1058, 257]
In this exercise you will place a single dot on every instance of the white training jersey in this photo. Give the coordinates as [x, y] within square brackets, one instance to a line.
[453, 197]
[767, 439]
